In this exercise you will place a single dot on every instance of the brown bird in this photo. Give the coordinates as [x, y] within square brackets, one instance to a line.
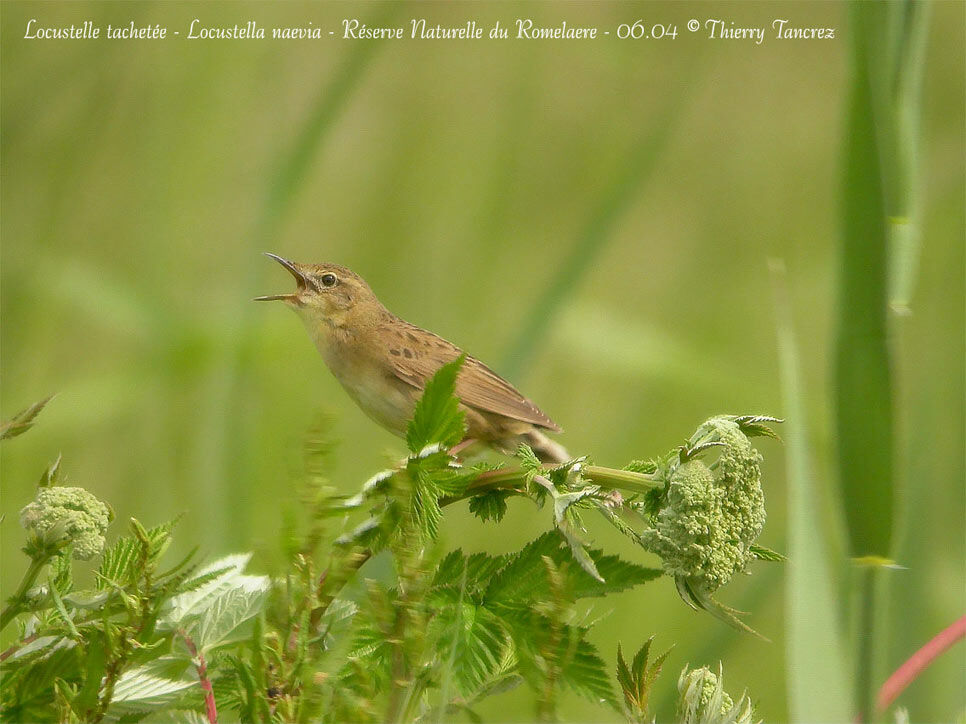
[384, 362]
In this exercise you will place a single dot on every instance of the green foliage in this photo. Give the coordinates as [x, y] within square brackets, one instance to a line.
[319, 642]
[489, 506]
[863, 371]
[637, 680]
[437, 418]
[703, 700]
[813, 635]
[116, 648]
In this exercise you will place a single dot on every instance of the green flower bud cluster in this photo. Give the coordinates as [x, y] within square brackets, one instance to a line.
[62, 515]
[710, 515]
[703, 700]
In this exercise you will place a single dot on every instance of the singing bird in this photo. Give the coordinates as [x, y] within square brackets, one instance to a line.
[384, 362]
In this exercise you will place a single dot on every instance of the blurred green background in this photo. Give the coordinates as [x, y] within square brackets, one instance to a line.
[620, 197]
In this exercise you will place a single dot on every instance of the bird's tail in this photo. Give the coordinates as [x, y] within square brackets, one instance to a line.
[546, 449]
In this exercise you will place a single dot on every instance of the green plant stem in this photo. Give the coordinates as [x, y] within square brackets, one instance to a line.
[16, 605]
[623, 479]
[865, 644]
[514, 480]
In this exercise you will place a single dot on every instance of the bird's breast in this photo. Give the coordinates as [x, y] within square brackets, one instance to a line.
[365, 375]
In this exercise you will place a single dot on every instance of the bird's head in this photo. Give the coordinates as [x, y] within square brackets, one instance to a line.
[325, 292]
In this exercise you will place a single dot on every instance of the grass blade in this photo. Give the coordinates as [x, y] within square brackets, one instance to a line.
[817, 674]
[863, 384]
[908, 58]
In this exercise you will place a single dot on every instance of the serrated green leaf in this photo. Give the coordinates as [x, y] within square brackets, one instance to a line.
[158, 683]
[641, 466]
[585, 672]
[618, 575]
[528, 459]
[437, 418]
[424, 503]
[478, 570]
[637, 680]
[475, 639]
[120, 563]
[489, 506]
[520, 578]
[214, 613]
[625, 679]
[62, 571]
[756, 429]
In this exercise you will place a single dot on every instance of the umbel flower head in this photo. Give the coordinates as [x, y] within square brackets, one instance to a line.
[62, 515]
[711, 515]
[702, 700]
[706, 520]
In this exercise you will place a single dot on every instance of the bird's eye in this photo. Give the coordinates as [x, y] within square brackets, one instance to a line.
[328, 280]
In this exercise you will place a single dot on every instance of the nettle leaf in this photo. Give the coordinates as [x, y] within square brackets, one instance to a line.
[214, 613]
[155, 684]
[522, 577]
[755, 425]
[437, 418]
[648, 467]
[528, 459]
[61, 571]
[489, 506]
[585, 672]
[637, 680]
[618, 575]
[424, 503]
[541, 643]
[475, 640]
[120, 564]
[470, 574]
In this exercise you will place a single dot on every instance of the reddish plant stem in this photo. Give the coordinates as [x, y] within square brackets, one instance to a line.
[917, 663]
[17, 646]
[210, 709]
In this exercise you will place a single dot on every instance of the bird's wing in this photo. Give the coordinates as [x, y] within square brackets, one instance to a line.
[415, 355]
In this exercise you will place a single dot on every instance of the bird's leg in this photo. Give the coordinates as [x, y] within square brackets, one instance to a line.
[461, 446]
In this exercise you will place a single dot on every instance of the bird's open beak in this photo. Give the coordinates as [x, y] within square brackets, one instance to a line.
[300, 279]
